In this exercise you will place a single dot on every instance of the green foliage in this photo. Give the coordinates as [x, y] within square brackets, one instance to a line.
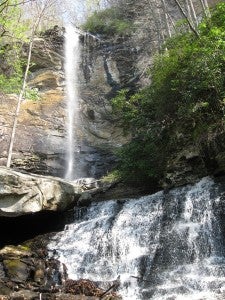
[10, 85]
[111, 177]
[12, 29]
[187, 93]
[12, 36]
[11, 81]
[32, 94]
[192, 72]
[142, 161]
[11, 70]
[109, 21]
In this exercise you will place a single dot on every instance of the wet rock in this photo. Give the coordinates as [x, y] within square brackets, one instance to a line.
[185, 166]
[39, 274]
[87, 183]
[19, 251]
[16, 270]
[193, 159]
[4, 290]
[85, 199]
[31, 275]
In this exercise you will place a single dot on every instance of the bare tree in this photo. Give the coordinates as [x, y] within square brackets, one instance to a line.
[189, 21]
[193, 15]
[7, 3]
[205, 7]
[166, 18]
[39, 14]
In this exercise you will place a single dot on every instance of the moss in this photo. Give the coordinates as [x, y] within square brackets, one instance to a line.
[111, 177]
[12, 264]
[16, 269]
[25, 247]
[19, 251]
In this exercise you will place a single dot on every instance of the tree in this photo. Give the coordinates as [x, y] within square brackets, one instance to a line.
[166, 18]
[189, 20]
[205, 7]
[185, 99]
[12, 36]
[52, 14]
[10, 25]
[44, 5]
[76, 12]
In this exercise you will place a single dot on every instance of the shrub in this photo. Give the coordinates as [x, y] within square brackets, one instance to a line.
[187, 93]
[12, 82]
[109, 21]
[32, 94]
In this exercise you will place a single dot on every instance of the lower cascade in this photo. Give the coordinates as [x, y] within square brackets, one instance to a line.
[165, 246]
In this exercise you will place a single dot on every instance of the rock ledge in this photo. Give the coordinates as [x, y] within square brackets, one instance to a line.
[22, 193]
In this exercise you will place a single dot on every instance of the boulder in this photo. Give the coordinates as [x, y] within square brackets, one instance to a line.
[27, 273]
[22, 193]
[16, 270]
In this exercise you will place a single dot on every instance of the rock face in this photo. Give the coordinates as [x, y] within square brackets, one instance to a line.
[39, 145]
[107, 64]
[196, 158]
[40, 142]
[22, 194]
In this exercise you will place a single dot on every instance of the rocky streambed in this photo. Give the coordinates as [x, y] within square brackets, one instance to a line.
[27, 273]
[32, 207]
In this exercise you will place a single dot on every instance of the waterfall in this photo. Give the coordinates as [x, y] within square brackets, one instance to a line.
[166, 246]
[72, 57]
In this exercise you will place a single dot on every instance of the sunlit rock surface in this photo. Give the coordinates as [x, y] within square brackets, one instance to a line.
[39, 144]
[40, 141]
[22, 194]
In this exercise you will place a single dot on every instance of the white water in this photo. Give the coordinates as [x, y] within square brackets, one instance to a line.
[163, 247]
[111, 240]
[72, 57]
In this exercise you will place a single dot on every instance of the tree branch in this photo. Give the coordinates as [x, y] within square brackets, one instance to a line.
[5, 4]
[187, 19]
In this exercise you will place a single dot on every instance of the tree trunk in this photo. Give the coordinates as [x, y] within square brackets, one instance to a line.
[157, 20]
[205, 7]
[20, 98]
[187, 19]
[166, 18]
[193, 13]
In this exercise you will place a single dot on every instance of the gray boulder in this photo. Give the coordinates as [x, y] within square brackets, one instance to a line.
[22, 193]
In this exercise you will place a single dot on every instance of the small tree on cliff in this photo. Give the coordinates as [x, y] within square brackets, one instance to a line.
[40, 10]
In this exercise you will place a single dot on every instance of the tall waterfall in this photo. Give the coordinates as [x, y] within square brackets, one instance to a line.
[72, 57]
[167, 246]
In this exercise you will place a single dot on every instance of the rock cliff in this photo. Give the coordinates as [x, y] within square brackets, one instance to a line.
[39, 142]
[112, 63]
[107, 64]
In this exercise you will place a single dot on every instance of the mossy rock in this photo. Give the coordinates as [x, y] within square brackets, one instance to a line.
[16, 270]
[4, 290]
[18, 251]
